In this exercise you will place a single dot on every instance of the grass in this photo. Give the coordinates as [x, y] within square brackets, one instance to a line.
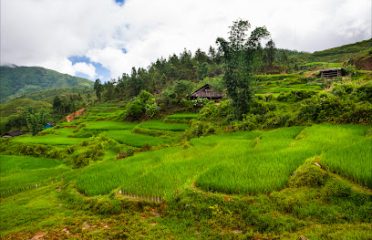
[49, 139]
[160, 125]
[109, 125]
[352, 161]
[181, 117]
[279, 83]
[133, 139]
[21, 173]
[261, 161]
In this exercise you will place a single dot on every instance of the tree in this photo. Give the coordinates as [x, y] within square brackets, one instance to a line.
[57, 104]
[270, 52]
[240, 55]
[98, 88]
[36, 120]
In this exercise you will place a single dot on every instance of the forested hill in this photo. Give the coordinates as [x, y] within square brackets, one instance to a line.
[16, 81]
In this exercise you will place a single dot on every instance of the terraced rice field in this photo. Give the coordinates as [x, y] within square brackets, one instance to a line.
[259, 161]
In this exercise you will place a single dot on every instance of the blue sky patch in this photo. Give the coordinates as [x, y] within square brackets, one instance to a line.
[102, 72]
[120, 2]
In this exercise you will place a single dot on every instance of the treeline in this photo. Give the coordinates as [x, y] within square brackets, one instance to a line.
[31, 115]
[193, 67]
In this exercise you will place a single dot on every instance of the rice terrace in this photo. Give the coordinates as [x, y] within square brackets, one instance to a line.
[242, 140]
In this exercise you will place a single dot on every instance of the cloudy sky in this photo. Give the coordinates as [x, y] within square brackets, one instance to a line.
[104, 38]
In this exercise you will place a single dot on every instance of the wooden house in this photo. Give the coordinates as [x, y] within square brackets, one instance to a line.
[331, 73]
[208, 92]
[14, 133]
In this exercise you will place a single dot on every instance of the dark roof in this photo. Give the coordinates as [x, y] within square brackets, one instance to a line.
[13, 133]
[206, 91]
[331, 69]
[331, 73]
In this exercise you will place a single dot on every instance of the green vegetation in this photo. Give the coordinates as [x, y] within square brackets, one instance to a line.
[19, 173]
[259, 162]
[16, 81]
[344, 53]
[205, 180]
[285, 155]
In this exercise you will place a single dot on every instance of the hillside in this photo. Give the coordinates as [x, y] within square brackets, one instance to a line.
[17, 81]
[344, 53]
[144, 161]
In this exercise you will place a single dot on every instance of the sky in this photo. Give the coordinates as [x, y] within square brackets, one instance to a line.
[106, 38]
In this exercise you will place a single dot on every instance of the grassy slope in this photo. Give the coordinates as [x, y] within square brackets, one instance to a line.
[343, 53]
[261, 161]
[229, 186]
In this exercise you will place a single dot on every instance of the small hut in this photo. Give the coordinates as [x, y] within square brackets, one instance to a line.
[14, 133]
[331, 73]
[208, 92]
[48, 125]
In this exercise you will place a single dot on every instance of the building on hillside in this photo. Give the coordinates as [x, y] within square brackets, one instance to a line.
[48, 125]
[208, 92]
[331, 73]
[14, 133]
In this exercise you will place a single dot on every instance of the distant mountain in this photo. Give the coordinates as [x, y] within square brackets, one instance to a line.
[344, 53]
[18, 81]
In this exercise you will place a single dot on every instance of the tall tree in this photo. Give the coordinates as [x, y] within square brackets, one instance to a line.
[57, 104]
[240, 54]
[98, 88]
[270, 52]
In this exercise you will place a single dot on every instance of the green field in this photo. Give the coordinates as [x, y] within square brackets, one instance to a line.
[297, 165]
[259, 162]
[21, 173]
[200, 174]
[49, 140]
[133, 139]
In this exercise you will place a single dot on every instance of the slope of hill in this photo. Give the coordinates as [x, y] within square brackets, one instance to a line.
[16, 81]
[344, 53]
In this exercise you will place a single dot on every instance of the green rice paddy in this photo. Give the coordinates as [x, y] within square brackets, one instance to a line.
[258, 162]
[21, 173]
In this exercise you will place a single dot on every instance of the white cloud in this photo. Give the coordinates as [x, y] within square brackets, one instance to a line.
[85, 68]
[47, 32]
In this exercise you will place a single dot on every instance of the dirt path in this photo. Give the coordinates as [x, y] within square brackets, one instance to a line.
[73, 115]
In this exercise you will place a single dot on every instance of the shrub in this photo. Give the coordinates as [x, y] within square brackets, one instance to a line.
[125, 154]
[364, 92]
[142, 106]
[276, 120]
[222, 111]
[308, 175]
[335, 189]
[79, 161]
[295, 96]
[200, 128]
[34, 150]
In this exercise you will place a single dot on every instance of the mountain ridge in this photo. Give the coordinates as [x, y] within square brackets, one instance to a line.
[19, 80]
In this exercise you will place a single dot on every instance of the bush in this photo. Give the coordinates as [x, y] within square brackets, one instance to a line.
[34, 150]
[79, 161]
[125, 154]
[322, 108]
[142, 106]
[200, 128]
[295, 96]
[335, 189]
[222, 111]
[364, 92]
[308, 175]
